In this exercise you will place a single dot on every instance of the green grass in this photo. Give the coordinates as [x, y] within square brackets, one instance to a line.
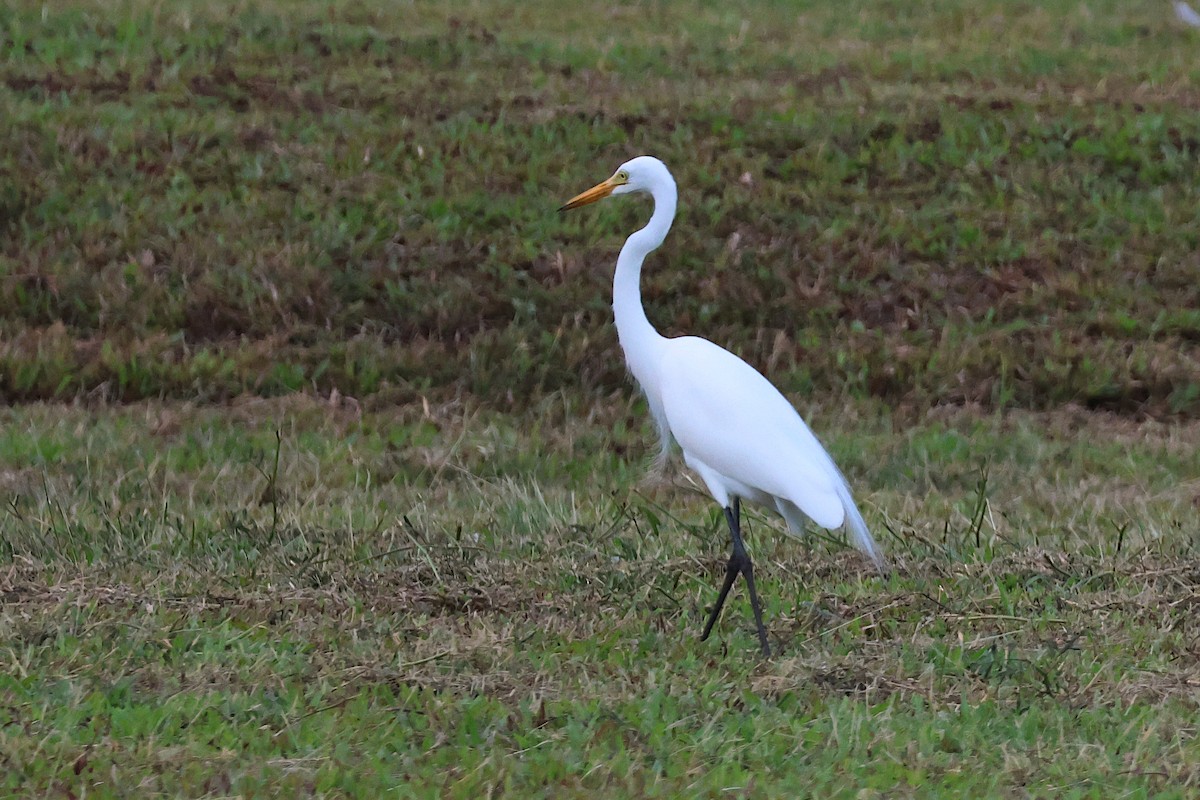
[320, 473]
[966, 202]
[503, 604]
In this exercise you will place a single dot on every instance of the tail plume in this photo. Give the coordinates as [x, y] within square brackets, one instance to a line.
[857, 527]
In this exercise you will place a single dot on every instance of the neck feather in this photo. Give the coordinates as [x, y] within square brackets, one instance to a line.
[638, 338]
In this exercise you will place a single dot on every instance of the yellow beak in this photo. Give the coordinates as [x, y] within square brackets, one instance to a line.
[598, 192]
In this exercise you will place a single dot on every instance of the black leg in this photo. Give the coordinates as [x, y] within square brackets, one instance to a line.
[739, 561]
[731, 573]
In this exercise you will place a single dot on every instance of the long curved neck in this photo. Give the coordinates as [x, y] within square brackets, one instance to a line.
[638, 338]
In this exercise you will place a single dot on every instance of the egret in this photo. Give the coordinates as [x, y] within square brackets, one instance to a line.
[736, 431]
[1186, 14]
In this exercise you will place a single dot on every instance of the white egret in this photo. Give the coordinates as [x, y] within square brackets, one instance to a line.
[1186, 14]
[739, 434]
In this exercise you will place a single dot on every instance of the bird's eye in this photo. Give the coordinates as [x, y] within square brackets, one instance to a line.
[623, 176]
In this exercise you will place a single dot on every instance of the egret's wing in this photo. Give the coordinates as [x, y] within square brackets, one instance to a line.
[857, 526]
[727, 415]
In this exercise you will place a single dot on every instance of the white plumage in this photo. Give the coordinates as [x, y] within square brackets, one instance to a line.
[1186, 14]
[740, 435]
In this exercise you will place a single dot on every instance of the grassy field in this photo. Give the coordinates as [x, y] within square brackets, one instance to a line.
[320, 474]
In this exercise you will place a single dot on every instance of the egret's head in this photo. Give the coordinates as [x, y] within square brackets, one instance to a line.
[641, 174]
